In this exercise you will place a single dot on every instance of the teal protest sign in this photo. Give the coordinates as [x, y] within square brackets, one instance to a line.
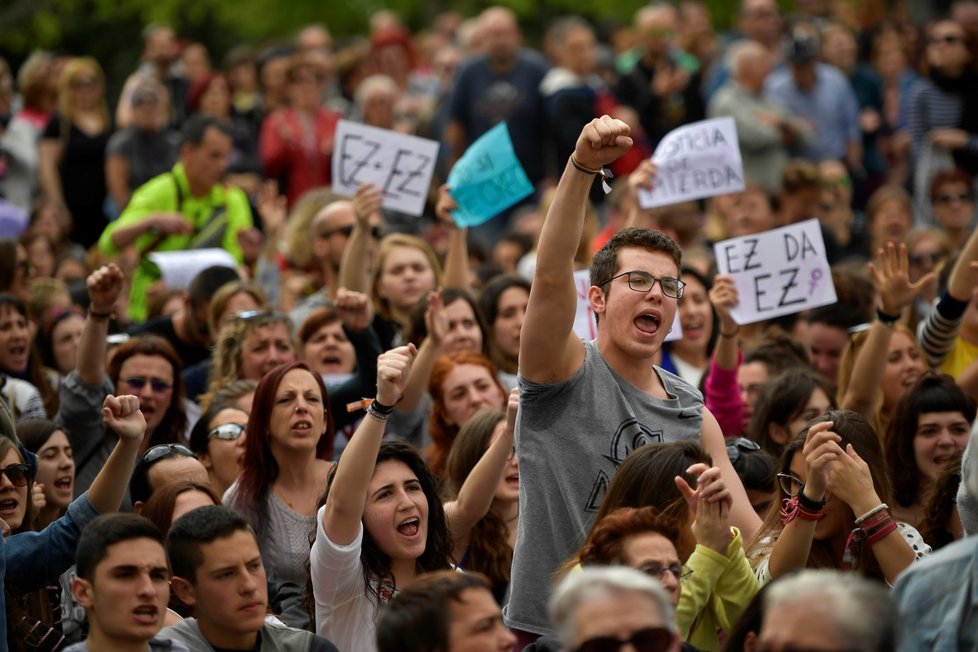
[487, 179]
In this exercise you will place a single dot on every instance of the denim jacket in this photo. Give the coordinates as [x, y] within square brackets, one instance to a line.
[938, 600]
[32, 560]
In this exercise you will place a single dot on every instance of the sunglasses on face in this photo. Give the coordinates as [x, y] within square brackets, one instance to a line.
[375, 232]
[930, 259]
[649, 639]
[226, 432]
[644, 282]
[949, 198]
[947, 39]
[162, 451]
[18, 474]
[158, 385]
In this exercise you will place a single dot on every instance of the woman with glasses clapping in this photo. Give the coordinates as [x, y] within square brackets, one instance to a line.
[835, 512]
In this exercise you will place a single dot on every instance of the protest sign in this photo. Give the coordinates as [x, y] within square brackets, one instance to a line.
[701, 159]
[399, 165]
[584, 325]
[487, 179]
[777, 272]
[177, 268]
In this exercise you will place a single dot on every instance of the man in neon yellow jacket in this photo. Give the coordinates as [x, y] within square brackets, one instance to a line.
[186, 208]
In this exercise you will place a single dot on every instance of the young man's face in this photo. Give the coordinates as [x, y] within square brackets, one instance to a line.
[230, 592]
[634, 322]
[127, 596]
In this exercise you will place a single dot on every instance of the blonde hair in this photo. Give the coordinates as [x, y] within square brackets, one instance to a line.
[66, 109]
[387, 245]
[298, 244]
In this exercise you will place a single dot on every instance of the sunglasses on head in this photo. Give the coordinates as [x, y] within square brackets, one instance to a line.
[648, 639]
[162, 451]
[226, 432]
[18, 474]
[158, 385]
[739, 444]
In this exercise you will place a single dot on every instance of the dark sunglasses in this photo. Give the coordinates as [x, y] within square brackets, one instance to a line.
[375, 232]
[947, 39]
[163, 451]
[226, 432]
[158, 385]
[739, 444]
[951, 198]
[649, 639]
[926, 259]
[18, 474]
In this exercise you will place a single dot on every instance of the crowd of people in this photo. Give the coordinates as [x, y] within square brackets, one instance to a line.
[381, 431]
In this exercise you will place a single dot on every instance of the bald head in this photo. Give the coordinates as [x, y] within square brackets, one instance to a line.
[500, 32]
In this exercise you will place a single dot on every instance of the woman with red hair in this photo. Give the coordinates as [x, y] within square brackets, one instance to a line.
[289, 429]
[461, 384]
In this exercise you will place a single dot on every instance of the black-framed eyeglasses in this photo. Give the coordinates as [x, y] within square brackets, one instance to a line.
[158, 385]
[376, 232]
[790, 484]
[226, 432]
[735, 447]
[640, 281]
[647, 639]
[658, 571]
[18, 474]
[162, 451]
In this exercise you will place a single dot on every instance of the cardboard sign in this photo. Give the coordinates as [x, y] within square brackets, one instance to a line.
[178, 268]
[584, 324]
[777, 272]
[488, 178]
[399, 165]
[701, 159]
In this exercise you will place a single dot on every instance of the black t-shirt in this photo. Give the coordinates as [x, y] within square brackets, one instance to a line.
[82, 170]
[190, 353]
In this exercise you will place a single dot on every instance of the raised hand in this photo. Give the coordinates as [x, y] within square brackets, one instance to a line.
[892, 278]
[850, 480]
[393, 368]
[123, 417]
[104, 287]
[512, 407]
[820, 451]
[37, 496]
[272, 207]
[435, 319]
[354, 309]
[724, 296]
[602, 141]
[367, 201]
[444, 207]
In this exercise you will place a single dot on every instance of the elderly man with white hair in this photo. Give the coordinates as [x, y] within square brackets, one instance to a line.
[606, 608]
[765, 129]
[828, 610]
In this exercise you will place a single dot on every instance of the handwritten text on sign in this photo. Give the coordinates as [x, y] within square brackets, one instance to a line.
[584, 324]
[701, 159]
[777, 272]
[400, 166]
[488, 178]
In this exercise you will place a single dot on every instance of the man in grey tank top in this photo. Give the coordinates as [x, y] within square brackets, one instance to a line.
[585, 406]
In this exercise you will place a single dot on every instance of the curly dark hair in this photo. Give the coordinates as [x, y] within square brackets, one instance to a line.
[437, 553]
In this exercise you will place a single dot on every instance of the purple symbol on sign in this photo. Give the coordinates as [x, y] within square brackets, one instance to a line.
[815, 278]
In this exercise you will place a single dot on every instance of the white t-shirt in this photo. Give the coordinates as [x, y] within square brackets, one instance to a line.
[345, 613]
